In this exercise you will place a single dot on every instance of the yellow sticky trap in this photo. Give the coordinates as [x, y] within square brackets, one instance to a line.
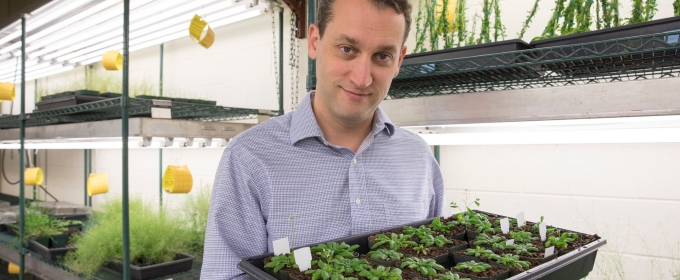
[112, 60]
[177, 179]
[97, 184]
[33, 176]
[13, 269]
[7, 91]
[450, 11]
[198, 32]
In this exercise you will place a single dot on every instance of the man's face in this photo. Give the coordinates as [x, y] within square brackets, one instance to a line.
[357, 58]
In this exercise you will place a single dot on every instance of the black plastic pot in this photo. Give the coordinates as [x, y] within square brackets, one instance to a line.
[65, 101]
[281, 274]
[465, 258]
[42, 240]
[638, 29]
[501, 276]
[180, 264]
[458, 248]
[110, 94]
[384, 263]
[59, 241]
[48, 254]
[471, 235]
[467, 51]
[543, 260]
[87, 92]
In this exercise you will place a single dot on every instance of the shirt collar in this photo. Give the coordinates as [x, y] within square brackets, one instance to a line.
[303, 123]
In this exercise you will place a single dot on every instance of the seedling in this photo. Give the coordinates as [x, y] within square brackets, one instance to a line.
[473, 266]
[282, 261]
[502, 246]
[326, 272]
[420, 249]
[426, 267]
[382, 273]
[525, 249]
[351, 265]
[479, 252]
[430, 240]
[333, 250]
[522, 237]
[484, 239]
[438, 226]
[562, 241]
[385, 255]
[512, 261]
[420, 231]
[394, 241]
[485, 226]
[450, 276]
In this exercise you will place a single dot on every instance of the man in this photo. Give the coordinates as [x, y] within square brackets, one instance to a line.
[336, 166]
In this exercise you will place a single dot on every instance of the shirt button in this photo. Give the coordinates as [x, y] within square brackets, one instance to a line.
[358, 201]
[354, 161]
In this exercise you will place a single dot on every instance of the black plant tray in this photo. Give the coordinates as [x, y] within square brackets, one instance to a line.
[638, 29]
[574, 265]
[467, 51]
[48, 254]
[65, 101]
[181, 263]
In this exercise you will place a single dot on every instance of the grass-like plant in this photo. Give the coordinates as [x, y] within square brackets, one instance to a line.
[385, 255]
[473, 266]
[37, 224]
[426, 267]
[382, 273]
[195, 216]
[154, 238]
[527, 22]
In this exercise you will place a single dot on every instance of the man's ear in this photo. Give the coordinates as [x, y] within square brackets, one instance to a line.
[401, 60]
[313, 42]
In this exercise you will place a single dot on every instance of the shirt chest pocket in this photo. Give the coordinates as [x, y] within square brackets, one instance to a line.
[385, 215]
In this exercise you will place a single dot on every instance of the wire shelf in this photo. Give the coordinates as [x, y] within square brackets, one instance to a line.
[111, 109]
[633, 58]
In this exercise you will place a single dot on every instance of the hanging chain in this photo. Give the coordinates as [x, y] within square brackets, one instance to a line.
[274, 45]
[294, 59]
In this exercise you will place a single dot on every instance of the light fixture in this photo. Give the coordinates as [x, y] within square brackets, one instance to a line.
[654, 129]
[116, 143]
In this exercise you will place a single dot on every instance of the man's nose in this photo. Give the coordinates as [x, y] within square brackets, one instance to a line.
[360, 74]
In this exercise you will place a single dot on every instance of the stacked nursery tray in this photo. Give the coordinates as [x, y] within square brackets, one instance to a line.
[469, 245]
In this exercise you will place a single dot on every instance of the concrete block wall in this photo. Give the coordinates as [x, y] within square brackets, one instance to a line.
[621, 192]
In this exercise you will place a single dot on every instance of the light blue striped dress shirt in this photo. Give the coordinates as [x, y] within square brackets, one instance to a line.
[284, 167]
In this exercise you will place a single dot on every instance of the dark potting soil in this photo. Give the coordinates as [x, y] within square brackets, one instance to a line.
[495, 270]
[431, 252]
[456, 243]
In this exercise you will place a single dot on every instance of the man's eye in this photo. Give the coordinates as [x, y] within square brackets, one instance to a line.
[346, 49]
[383, 57]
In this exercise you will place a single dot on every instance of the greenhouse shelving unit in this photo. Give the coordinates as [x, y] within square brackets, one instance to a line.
[120, 120]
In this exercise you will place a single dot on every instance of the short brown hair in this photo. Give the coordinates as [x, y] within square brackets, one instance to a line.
[324, 12]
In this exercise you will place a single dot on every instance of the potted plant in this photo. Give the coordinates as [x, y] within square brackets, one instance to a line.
[512, 262]
[382, 273]
[157, 242]
[450, 276]
[280, 266]
[385, 257]
[333, 250]
[481, 270]
[423, 267]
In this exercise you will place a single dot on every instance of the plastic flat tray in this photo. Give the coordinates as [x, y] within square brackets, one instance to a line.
[467, 51]
[65, 101]
[574, 265]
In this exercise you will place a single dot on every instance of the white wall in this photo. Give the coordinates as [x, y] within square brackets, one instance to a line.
[620, 192]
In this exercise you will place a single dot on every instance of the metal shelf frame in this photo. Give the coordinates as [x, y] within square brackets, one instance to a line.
[634, 58]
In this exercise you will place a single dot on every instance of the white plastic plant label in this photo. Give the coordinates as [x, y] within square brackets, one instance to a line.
[542, 229]
[549, 251]
[303, 258]
[520, 219]
[281, 246]
[505, 225]
[510, 242]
